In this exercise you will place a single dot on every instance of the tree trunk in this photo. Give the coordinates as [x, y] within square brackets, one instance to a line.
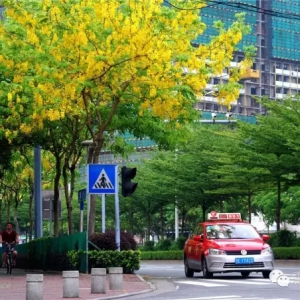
[148, 222]
[94, 157]
[1, 211]
[162, 221]
[183, 214]
[221, 205]
[56, 194]
[16, 211]
[8, 208]
[67, 196]
[31, 191]
[278, 208]
[249, 208]
[131, 217]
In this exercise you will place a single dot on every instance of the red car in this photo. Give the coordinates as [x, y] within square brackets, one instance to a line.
[225, 243]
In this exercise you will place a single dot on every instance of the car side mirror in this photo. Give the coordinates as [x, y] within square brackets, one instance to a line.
[198, 238]
[265, 237]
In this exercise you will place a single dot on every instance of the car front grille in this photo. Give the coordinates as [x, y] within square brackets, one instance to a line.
[249, 252]
[246, 266]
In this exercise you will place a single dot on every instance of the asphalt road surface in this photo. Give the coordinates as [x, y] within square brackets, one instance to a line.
[171, 284]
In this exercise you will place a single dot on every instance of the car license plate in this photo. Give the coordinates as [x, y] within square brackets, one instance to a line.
[244, 260]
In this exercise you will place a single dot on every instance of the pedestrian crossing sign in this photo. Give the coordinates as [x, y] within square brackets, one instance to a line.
[102, 179]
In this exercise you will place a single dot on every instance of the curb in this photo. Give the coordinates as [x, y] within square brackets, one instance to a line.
[152, 288]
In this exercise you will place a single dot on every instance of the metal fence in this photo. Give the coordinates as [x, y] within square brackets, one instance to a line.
[45, 253]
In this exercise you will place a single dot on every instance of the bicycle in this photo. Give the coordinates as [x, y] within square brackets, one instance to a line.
[9, 255]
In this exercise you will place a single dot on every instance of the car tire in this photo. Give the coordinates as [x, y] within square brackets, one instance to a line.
[206, 273]
[245, 274]
[188, 272]
[266, 274]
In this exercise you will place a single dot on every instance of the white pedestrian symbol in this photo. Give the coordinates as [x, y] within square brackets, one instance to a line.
[103, 181]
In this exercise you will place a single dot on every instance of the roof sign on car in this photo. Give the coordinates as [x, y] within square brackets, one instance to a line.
[224, 216]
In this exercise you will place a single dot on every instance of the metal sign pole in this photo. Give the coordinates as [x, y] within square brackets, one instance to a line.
[103, 213]
[87, 224]
[50, 216]
[117, 211]
[81, 215]
[38, 210]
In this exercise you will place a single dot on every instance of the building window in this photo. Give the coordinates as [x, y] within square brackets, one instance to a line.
[285, 78]
[285, 91]
[239, 58]
[216, 81]
[285, 66]
[253, 91]
[263, 42]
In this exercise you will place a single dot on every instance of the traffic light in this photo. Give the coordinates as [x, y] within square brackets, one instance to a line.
[128, 187]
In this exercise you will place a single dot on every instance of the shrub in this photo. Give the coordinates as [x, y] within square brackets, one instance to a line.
[163, 245]
[107, 241]
[283, 238]
[286, 253]
[148, 246]
[128, 260]
[130, 239]
[104, 241]
[162, 255]
[174, 246]
[180, 242]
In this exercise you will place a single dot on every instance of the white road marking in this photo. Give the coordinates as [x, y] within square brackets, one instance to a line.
[245, 281]
[215, 297]
[202, 283]
[232, 298]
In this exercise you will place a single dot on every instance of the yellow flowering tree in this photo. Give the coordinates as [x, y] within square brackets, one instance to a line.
[114, 65]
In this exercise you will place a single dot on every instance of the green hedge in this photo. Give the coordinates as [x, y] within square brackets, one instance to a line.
[279, 253]
[128, 260]
[162, 255]
[286, 252]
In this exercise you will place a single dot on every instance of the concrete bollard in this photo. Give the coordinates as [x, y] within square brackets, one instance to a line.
[34, 286]
[70, 284]
[98, 285]
[115, 278]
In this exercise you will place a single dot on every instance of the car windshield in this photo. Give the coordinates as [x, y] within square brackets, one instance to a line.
[231, 231]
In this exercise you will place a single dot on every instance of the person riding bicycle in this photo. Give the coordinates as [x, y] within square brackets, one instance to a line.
[9, 236]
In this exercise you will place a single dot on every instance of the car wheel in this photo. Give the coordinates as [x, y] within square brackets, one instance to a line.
[188, 272]
[206, 273]
[245, 274]
[266, 274]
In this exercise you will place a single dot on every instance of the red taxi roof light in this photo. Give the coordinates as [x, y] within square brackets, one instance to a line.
[224, 216]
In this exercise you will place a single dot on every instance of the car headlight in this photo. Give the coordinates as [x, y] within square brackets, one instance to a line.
[212, 251]
[267, 250]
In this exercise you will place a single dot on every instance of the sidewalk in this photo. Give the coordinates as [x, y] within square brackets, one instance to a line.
[13, 287]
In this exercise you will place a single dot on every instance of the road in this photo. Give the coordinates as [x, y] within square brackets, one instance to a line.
[171, 284]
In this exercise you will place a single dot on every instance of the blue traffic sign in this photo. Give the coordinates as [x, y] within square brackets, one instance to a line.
[102, 179]
[81, 195]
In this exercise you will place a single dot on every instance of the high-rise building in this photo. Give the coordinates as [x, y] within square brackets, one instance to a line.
[276, 34]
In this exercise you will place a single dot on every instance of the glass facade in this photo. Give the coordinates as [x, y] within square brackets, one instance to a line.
[286, 31]
[226, 14]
